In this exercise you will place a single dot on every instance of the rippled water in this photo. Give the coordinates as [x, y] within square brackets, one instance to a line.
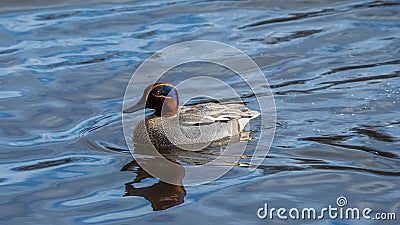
[333, 67]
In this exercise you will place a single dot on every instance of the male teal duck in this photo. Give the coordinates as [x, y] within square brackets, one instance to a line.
[174, 125]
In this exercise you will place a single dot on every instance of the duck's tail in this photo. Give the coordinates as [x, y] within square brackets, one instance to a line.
[246, 117]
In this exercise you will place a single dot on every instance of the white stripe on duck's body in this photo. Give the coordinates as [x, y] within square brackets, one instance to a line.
[173, 125]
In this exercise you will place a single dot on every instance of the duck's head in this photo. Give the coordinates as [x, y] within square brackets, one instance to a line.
[162, 97]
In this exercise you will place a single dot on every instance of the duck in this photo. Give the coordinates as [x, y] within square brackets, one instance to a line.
[174, 125]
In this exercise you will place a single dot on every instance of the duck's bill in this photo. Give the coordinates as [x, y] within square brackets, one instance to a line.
[138, 106]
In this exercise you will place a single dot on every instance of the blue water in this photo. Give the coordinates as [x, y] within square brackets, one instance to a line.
[333, 67]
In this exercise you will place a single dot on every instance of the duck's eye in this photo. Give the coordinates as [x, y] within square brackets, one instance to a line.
[161, 91]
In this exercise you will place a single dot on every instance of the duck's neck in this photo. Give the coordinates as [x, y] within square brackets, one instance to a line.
[165, 114]
[169, 108]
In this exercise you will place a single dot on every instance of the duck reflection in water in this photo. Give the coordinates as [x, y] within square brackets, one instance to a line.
[161, 195]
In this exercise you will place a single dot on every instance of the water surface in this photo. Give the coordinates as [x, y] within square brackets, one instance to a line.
[333, 67]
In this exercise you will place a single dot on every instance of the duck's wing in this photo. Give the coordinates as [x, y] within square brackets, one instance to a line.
[208, 113]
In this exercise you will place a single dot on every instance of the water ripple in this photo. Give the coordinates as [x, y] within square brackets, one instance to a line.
[294, 16]
[376, 134]
[26, 171]
[332, 71]
[79, 130]
[47, 164]
[333, 141]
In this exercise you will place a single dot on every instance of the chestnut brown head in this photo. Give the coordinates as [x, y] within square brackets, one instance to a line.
[162, 97]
